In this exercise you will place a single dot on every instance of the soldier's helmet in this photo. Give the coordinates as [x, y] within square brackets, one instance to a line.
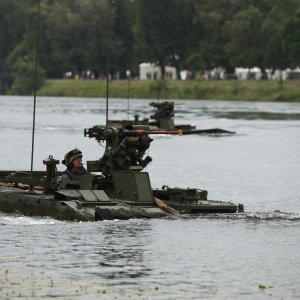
[71, 155]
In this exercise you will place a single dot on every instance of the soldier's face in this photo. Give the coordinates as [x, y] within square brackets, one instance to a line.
[77, 163]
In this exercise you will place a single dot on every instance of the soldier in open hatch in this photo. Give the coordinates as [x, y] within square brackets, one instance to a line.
[73, 161]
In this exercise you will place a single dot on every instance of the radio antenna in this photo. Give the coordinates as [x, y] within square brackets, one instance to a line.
[107, 58]
[35, 82]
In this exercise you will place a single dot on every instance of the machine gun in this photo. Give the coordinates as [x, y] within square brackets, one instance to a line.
[163, 117]
[125, 147]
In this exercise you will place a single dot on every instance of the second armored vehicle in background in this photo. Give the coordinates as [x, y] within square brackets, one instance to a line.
[163, 119]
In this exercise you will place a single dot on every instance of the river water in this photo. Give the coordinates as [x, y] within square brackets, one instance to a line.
[254, 255]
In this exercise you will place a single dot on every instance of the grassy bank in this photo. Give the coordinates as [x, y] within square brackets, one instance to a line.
[251, 90]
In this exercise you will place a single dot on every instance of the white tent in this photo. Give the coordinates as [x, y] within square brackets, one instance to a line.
[151, 71]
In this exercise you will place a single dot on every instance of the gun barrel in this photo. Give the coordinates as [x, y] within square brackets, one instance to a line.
[103, 133]
[143, 132]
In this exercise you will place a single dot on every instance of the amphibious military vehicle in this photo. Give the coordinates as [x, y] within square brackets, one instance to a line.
[163, 119]
[116, 187]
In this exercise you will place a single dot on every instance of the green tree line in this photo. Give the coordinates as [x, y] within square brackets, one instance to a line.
[116, 35]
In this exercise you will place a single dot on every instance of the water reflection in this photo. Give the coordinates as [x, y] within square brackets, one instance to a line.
[123, 248]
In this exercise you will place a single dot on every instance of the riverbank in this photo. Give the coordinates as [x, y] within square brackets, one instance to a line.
[250, 90]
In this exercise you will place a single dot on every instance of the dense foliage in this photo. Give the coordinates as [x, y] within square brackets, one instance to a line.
[113, 36]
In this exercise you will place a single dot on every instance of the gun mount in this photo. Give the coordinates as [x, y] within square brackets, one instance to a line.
[125, 147]
[122, 190]
[163, 110]
[164, 114]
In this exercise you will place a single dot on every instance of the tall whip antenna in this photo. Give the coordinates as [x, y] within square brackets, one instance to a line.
[107, 58]
[35, 82]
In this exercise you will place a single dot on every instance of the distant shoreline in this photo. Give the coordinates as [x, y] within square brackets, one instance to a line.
[242, 90]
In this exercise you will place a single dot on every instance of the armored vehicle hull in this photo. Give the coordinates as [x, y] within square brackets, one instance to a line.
[83, 204]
